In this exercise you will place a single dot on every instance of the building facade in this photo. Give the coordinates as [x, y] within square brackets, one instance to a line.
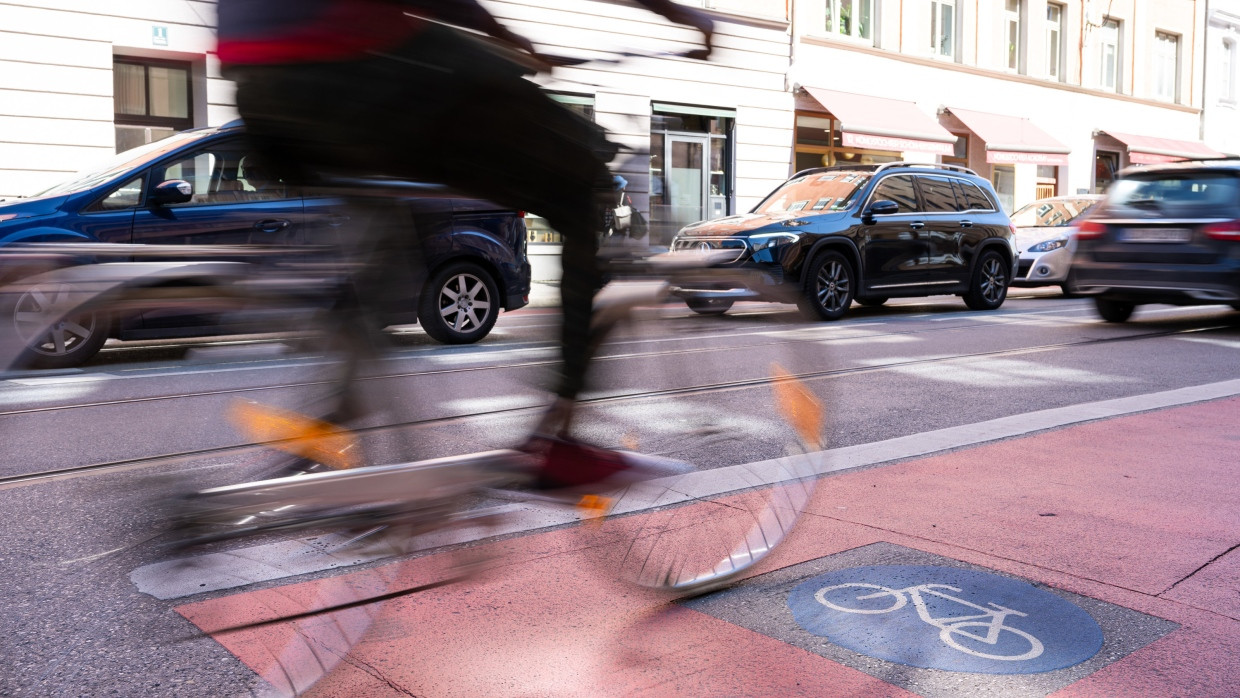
[1042, 97]
[1220, 123]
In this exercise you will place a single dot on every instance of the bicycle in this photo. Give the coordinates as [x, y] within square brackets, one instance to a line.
[990, 619]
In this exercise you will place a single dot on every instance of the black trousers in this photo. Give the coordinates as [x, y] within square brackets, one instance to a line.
[445, 109]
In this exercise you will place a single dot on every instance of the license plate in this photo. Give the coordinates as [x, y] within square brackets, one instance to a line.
[1157, 235]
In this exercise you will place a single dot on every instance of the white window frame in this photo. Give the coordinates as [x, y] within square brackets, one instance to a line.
[1013, 36]
[831, 14]
[1056, 54]
[936, 28]
[1112, 81]
[1228, 72]
[1166, 80]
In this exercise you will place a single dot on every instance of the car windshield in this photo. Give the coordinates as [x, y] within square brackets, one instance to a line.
[121, 163]
[817, 192]
[1051, 213]
[1187, 193]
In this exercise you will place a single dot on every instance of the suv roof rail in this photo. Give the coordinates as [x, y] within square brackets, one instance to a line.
[932, 165]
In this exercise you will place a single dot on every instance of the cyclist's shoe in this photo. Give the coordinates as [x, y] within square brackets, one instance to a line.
[568, 466]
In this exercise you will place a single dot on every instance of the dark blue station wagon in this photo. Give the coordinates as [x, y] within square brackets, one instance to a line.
[470, 248]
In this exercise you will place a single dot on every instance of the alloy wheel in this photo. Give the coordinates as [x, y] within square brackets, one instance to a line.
[464, 302]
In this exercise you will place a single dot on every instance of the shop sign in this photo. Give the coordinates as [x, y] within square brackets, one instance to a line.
[869, 141]
[1007, 157]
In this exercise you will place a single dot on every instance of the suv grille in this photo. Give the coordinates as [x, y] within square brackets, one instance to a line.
[737, 244]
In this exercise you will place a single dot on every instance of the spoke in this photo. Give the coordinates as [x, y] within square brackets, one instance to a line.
[473, 293]
[473, 317]
[39, 299]
[58, 338]
[447, 310]
[460, 317]
[447, 291]
[77, 329]
[482, 304]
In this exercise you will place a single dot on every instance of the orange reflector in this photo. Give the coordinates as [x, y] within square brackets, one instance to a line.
[291, 432]
[799, 406]
[595, 506]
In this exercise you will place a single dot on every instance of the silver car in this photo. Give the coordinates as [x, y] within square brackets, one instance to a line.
[1044, 241]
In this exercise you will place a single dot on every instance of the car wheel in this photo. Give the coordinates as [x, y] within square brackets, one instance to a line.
[459, 304]
[1114, 311]
[829, 287]
[873, 301]
[709, 306]
[989, 287]
[54, 342]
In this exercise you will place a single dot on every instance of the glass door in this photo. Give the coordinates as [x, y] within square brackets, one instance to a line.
[688, 179]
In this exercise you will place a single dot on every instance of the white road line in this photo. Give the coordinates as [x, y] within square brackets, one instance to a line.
[180, 578]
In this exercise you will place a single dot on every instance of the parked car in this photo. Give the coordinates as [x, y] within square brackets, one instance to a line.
[1165, 234]
[1043, 238]
[204, 187]
[829, 236]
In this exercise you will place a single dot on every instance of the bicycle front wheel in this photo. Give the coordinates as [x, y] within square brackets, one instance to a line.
[861, 597]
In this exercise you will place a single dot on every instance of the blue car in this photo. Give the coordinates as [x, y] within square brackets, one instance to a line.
[470, 247]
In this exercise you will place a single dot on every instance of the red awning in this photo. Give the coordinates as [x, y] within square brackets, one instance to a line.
[884, 124]
[1013, 139]
[1148, 150]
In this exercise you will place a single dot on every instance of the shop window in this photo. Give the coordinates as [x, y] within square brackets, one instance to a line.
[1003, 177]
[152, 100]
[819, 144]
[537, 230]
[690, 167]
[1227, 72]
[960, 153]
[1106, 164]
[1048, 181]
[851, 18]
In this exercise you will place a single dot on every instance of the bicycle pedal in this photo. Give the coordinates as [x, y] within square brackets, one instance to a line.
[306, 437]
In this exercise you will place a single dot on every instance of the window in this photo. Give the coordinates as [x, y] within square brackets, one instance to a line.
[943, 28]
[975, 199]
[224, 174]
[937, 193]
[1109, 55]
[1106, 164]
[897, 188]
[152, 100]
[1227, 72]
[1003, 177]
[819, 144]
[127, 195]
[854, 18]
[1011, 26]
[1054, 41]
[1166, 67]
[690, 166]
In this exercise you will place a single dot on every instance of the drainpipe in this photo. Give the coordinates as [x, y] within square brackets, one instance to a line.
[1205, 75]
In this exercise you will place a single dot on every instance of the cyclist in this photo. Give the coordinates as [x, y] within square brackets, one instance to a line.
[386, 88]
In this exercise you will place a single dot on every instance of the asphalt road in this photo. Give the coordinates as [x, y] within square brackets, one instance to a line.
[87, 451]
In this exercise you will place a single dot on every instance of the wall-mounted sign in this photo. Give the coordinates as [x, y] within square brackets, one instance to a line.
[159, 35]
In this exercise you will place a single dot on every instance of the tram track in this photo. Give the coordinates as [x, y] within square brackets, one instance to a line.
[501, 367]
[708, 388]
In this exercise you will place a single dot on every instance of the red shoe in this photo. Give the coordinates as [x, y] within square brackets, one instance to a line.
[568, 464]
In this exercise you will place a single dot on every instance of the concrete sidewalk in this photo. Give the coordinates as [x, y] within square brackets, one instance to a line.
[1133, 521]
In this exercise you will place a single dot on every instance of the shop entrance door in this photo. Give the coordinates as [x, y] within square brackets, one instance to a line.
[688, 179]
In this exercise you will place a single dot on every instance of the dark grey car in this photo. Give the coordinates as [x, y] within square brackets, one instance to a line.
[1165, 234]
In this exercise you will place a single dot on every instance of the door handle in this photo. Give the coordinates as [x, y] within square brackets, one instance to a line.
[336, 220]
[271, 225]
[966, 224]
[916, 225]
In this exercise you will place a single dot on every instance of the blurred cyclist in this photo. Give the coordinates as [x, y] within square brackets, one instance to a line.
[383, 87]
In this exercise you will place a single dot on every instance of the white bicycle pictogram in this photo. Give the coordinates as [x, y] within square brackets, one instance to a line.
[949, 627]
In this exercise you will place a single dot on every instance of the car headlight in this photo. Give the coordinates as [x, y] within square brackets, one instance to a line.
[1048, 245]
[769, 240]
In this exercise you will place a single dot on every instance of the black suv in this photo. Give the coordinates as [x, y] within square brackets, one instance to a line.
[829, 236]
[1165, 234]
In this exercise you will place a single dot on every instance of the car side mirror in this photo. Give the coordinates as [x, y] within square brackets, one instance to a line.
[879, 208]
[174, 191]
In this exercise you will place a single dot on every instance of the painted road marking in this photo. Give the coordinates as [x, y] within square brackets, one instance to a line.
[979, 622]
[697, 485]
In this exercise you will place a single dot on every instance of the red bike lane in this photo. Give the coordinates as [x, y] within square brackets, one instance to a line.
[1139, 514]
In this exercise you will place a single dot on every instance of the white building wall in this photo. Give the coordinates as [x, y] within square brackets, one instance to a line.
[1221, 117]
[56, 108]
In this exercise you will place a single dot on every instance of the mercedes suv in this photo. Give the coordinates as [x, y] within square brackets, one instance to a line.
[829, 236]
[1165, 234]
